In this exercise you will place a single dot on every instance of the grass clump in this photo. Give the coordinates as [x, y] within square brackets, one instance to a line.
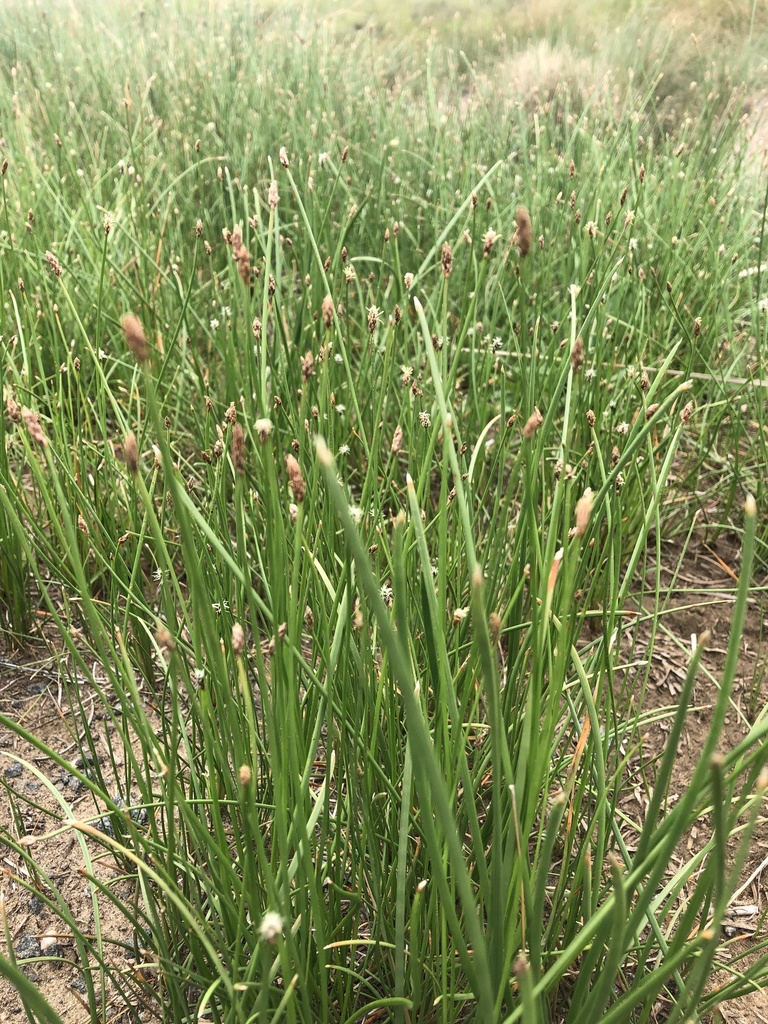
[342, 415]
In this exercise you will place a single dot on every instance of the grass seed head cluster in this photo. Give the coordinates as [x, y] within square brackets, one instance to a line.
[354, 632]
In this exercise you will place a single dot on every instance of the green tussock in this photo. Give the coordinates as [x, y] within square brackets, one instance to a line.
[340, 503]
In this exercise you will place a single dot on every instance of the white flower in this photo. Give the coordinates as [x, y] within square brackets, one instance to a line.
[214, 324]
[356, 514]
[271, 926]
[343, 449]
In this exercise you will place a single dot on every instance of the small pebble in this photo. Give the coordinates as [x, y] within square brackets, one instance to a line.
[26, 946]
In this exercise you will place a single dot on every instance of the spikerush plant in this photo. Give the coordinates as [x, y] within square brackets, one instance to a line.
[323, 677]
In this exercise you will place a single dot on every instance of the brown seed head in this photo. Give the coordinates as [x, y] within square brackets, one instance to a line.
[489, 238]
[240, 253]
[373, 315]
[307, 365]
[583, 512]
[295, 479]
[651, 410]
[591, 418]
[273, 195]
[53, 263]
[523, 237]
[494, 626]
[397, 440]
[244, 267]
[685, 415]
[32, 423]
[284, 157]
[532, 424]
[14, 412]
[238, 449]
[131, 453]
[577, 355]
[135, 338]
[446, 259]
[328, 312]
[245, 775]
[199, 228]
[263, 428]
[164, 637]
[256, 328]
[230, 416]
[4, 168]
[238, 639]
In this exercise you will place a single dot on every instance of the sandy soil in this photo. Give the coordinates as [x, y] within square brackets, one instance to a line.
[31, 692]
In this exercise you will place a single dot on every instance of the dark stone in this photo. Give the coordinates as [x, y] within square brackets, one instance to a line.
[105, 825]
[35, 905]
[85, 759]
[26, 946]
[13, 771]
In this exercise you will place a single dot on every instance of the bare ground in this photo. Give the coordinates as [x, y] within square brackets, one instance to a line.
[701, 599]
